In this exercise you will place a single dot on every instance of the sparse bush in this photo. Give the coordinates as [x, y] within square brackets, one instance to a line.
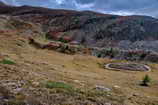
[62, 40]
[7, 61]
[146, 80]
[111, 52]
[65, 39]
[99, 55]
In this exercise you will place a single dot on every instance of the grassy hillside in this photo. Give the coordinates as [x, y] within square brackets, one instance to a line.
[38, 74]
[46, 77]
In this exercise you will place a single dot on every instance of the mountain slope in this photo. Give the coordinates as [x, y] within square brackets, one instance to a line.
[89, 28]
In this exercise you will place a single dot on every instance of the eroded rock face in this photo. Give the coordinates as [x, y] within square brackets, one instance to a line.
[128, 67]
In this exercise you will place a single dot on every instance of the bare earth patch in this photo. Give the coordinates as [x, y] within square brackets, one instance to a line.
[127, 67]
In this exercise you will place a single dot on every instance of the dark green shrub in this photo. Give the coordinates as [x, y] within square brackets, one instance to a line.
[146, 80]
[99, 55]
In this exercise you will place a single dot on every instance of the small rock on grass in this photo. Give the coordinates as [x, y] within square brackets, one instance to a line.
[102, 88]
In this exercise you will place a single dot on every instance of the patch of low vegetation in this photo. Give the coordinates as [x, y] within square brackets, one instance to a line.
[7, 61]
[61, 87]
[51, 85]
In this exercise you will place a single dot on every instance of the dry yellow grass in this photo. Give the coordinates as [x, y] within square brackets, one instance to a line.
[82, 71]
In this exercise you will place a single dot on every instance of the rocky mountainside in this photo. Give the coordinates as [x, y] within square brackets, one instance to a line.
[90, 28]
